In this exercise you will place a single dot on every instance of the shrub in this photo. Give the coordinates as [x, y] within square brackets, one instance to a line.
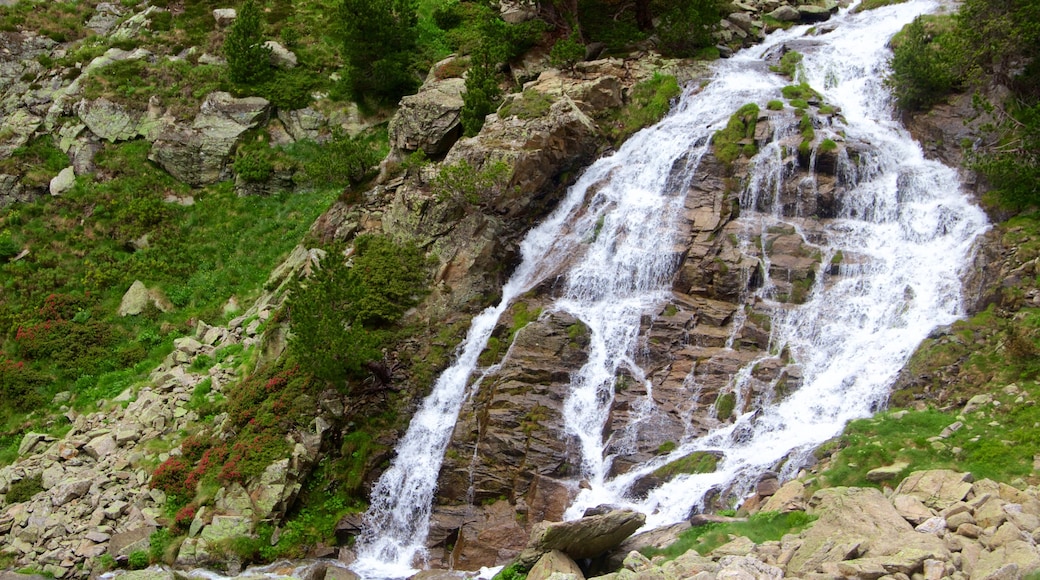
[379, 41]
[341, 316]
[686, 27]
[24, 489]
[482, 94]
[923, 67]
[137, 560]
[462, 182]
[248, 59]
[775, 105]
[741, 126]
[567, 52]
[340, 161]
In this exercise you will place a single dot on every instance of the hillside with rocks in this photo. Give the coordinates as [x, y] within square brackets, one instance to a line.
[186, 401]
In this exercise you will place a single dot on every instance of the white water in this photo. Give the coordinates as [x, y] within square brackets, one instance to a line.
[613, 243]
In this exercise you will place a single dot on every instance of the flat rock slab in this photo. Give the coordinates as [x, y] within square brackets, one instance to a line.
[937, 488]
[584, 538]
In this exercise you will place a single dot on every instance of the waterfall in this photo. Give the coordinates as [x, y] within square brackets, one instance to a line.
[614, 244]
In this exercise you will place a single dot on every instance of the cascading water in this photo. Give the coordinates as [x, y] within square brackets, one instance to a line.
[614, 242]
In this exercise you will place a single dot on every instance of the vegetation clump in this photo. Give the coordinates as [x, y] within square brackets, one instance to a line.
[740, 130]
[760, 527]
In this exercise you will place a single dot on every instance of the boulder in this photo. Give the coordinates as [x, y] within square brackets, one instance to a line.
[124, 543]
[937, 488]
[859, 523]
[101, 446]
[63, 182]
[887, 472]
[224, 16]
[304, 123]
[110, 121]
[430, 119]
[584, 538]
[106, 17]
[281, 57]
[198, 155]
[555, 563]
[785, 13]
[813, 13]
[67, 492]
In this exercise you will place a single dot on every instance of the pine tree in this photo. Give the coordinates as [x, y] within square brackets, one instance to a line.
[249, 61]
[379, 47]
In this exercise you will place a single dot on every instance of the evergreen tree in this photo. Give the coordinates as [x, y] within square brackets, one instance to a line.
[482, 94]
[248, 59]
[379, 48]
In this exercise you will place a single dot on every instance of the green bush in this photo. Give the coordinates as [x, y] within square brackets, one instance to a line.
[775, 105]
[482, 94]
[24, 489]
[379, 41]
[248, 60]
[567, 52]
[923, 66]
[462, 182]
[342, 316]
[686, 27]
[788, 64]
[741, 126]
[340, 161]
[137, 560]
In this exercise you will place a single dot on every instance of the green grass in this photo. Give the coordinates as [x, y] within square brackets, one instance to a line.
[58, 311]
[760, 527]
[741, 126]
[872, 4]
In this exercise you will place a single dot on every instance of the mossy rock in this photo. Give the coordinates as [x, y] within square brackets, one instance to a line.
[696, 462]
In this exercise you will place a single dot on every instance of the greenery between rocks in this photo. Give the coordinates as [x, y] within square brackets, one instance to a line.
[649, 102]
[759, 527]
[740, 127]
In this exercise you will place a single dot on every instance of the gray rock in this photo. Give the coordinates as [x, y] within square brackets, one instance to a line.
[101, 446]
[122, 544]
[135, 299]
[63, 182]
[429, 120]
[224, 16]
[584, 538]
[110, 121]
[304, 123]
[199, 155]
[281, 57]
[785, 13]
[106, 17]
[67, 492]
[937, 488]
[31, 440]
[553, 563]
[812, 13]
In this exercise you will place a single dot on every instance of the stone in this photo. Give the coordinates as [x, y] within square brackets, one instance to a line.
[859, 523]
[281, 57]
[887, 473]
[66, 492]
[812, 13]
[30, 442]
[306, 123]
[63, 181]
[977, 402]
[124, 543]
[101, 446]
[583, 538]
[934, 525]
[790, 497]
[785, 13]
[911, 508]
[224, 16]
[134, 300]
[430, 119]
[937, 488]
[52, 475]
[747, 568]
[552, 563]
[198, 155]
[223, 528]
[1020, 555]
[110, 121]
